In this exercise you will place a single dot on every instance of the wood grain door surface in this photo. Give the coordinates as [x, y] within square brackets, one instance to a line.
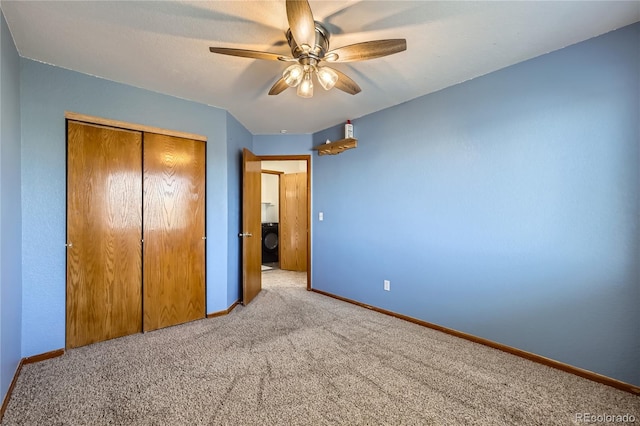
[251, 226]
[174, 230]
[293, 221]
[104, 227]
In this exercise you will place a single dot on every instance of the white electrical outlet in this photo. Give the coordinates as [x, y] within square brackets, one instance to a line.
[387, 285]
[321, 216]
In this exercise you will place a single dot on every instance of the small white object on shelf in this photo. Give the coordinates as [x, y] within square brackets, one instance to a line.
[348, 130]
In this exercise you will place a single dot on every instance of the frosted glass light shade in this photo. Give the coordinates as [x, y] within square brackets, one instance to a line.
[293, 75]
[305, 89]
[327, 77]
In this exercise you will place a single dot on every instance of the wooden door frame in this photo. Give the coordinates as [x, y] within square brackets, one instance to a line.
[307, 159]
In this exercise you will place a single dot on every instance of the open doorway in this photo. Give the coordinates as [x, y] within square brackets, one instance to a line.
[286, 220]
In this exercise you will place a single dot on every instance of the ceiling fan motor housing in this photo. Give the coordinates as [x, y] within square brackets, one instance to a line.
[317, 51]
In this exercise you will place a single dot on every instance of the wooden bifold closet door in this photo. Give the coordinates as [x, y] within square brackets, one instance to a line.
[104, 228]
[135, 232]
[174, 176]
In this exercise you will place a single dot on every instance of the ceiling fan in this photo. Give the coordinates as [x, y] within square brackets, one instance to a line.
[309, 43]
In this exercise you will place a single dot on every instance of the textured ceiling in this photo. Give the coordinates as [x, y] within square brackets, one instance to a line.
[164, 46]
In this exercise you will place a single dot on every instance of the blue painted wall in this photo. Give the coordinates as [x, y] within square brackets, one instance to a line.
[506, 207]
[238, 138]
[46, 93]
[283, 144]
[10, 212]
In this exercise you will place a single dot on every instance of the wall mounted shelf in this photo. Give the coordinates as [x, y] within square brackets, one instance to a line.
[336, 147]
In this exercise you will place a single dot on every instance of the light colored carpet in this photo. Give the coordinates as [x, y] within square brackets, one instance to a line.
[266, 268]
[294, 357]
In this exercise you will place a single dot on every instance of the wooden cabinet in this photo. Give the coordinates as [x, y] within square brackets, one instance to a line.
[135, 232]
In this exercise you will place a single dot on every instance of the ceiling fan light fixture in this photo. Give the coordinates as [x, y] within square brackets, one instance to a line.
[327, 77]
[308, 42]
[305, 89]
[293, 75]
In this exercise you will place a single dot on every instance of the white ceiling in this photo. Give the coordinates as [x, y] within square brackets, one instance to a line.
[164, 46]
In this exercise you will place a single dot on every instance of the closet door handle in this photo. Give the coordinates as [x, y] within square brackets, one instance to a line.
[245, 234]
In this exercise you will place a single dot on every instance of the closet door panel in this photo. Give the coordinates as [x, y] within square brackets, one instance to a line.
[173, 227]
[104, 228]
[293, 222]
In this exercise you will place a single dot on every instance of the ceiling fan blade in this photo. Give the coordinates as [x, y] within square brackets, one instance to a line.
[366, 50]
[346, 84]
[254, 54]
[279, 87]
[300, 17]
